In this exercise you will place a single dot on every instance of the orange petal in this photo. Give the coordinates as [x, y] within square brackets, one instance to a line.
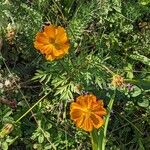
[46, 49]
[50, 31]
[37, 45]
[41, 38]
[50, 57]
[49, 48]
[100, 113]
[57, 52]
[80, 121]
[66, 47]
[87, 125]
[75, 105]
[99, 110]
[61, 36]
[90, 100]
[97, 121]
[81, 100]
[101, 103]
[75, 114]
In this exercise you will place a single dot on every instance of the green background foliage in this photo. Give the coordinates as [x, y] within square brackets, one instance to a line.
[107, 37]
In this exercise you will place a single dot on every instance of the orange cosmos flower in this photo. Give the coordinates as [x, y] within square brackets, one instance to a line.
[52, 42]
[87, 112]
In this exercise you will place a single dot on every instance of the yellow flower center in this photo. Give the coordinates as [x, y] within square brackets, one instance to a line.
[53, 42]
[87, 112]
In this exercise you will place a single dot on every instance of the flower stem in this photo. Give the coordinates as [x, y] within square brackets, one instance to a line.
[94, 139]
[110, 105]
[106, 68]
[31, 108]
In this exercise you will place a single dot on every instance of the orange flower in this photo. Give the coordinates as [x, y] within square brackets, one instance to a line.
[52, 42]
[117, 81]
[87, 112]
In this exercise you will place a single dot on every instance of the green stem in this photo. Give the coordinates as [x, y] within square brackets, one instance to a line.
[94, 139]
[31, 108]
[110, 105]
[106, 68]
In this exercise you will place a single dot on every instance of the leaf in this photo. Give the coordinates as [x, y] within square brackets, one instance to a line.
[143, 103]
[129, 71]
[136, 56]
[144, 84]
[48, 147]
[48, 79]
[47, 134]
[136, 91]
[144, 2]
[41, 138]
[4, 146]
[8, 114]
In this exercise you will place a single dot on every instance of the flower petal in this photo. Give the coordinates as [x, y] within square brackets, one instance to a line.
[50, 31]
[41, 38]
[65, 48]
[57, 52]
[75, 105]
[75, 114]
[50, 57]
[81, 100]
[90, 100]
[97, 121]
[61, 36]
[38, 45]
[99, 109]
[87, 125]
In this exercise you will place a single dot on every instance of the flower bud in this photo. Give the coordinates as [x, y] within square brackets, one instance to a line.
[117, 81]
[11, 32]
[6, 130]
